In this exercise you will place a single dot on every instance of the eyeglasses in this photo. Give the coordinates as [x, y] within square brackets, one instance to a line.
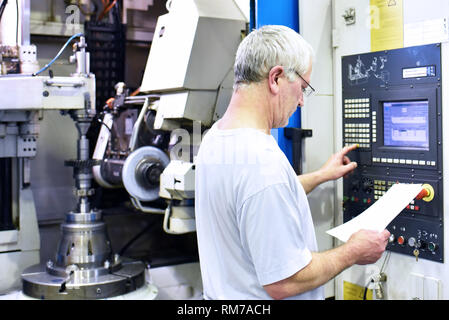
[307, 91]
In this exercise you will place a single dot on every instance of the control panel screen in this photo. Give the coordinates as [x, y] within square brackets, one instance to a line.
[406, 124]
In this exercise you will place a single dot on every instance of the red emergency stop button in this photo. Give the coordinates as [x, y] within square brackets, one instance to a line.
[401, 240]
[427, 193]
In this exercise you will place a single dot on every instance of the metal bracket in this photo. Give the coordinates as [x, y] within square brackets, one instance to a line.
[297, 135]
[349, 16]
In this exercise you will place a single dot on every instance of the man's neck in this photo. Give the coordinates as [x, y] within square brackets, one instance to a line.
[249, 108]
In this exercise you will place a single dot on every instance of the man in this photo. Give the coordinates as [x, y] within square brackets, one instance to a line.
[255, 232]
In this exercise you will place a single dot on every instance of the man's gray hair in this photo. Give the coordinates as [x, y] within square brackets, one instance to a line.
[267, 47]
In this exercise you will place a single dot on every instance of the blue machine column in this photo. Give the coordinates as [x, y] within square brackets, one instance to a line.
[281, 12]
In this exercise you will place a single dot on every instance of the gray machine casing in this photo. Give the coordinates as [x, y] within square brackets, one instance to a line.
[190, 66]
[191, 61]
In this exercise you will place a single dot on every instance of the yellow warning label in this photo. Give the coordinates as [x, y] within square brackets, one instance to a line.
[387, 24]
[352, 291]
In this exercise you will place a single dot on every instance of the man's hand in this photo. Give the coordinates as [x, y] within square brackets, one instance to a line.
[363, 247]
[338, 165]
[367, 246]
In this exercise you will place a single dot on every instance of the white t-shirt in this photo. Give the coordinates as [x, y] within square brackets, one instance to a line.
[253, 220]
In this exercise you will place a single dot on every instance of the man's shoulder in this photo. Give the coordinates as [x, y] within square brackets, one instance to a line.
[239, 147]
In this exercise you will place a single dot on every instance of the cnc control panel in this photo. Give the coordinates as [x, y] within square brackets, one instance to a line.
[392, 110]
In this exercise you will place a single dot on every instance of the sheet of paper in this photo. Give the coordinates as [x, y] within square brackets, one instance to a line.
[381, 213]
[426, 32]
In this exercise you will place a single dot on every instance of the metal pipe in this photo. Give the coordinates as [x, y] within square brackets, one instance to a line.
[25, 22]
[136, 203]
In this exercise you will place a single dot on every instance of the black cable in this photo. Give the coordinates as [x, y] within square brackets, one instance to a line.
[366, 289]
[371, 280]
[101, 121]
[2, 8]
[387, 257]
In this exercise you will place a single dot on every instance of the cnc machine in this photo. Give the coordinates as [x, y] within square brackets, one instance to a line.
[188, 81]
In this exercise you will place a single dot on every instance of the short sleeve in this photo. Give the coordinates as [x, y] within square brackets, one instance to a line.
[272, 234]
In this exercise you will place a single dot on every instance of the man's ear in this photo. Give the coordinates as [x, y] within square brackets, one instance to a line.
[273, 78]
